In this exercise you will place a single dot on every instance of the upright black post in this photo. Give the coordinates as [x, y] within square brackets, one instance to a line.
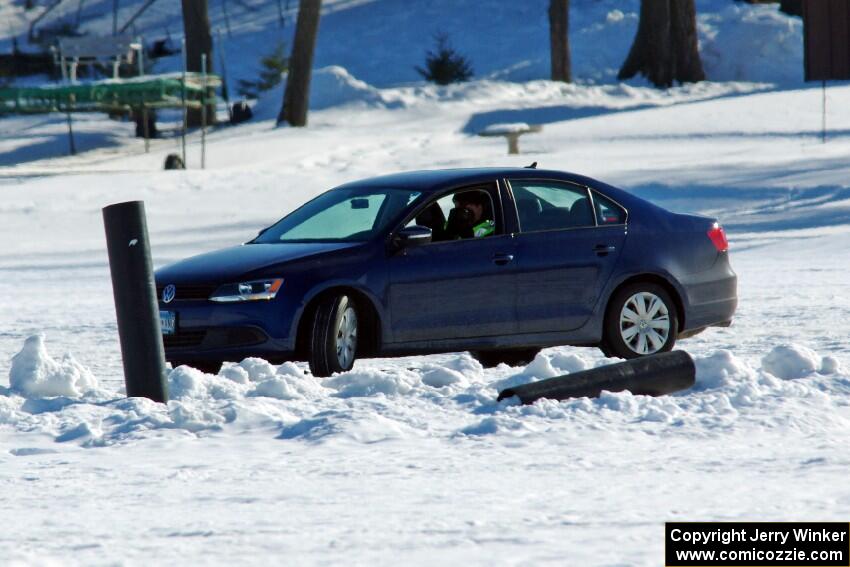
[823, 112]
[72, 147]
[135, 300]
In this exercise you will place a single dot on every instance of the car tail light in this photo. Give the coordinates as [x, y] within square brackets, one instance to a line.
[718, 238]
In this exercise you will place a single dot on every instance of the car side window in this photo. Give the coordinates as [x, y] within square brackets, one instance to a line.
[466, 213]
[607, 211]
[547, 205]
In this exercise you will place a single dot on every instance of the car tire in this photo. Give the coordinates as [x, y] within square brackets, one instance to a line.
[333, 337]
[512, 357]
[641, 320]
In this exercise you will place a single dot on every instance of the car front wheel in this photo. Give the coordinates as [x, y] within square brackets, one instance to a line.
[333, 340]
[641, 320]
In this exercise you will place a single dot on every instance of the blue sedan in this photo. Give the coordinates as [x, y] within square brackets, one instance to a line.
[499, 262]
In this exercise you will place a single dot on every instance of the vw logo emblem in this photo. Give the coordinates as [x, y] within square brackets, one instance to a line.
[168, 293]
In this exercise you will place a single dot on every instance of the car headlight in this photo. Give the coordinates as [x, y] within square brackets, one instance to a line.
[247, 291]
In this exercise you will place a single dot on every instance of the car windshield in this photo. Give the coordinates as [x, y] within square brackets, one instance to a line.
[340, 215]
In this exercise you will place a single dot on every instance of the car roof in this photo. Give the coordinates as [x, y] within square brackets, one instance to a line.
[436, 179]
[433, 180]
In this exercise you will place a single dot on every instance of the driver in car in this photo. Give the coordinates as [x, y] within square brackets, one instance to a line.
[470, 216]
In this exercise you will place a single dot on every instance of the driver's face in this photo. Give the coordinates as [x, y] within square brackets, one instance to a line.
[475, 210]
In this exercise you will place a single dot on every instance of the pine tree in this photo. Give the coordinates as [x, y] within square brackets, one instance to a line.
[272, 67]
[445, 65]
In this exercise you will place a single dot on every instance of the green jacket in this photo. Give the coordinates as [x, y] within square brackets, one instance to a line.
[485, 228]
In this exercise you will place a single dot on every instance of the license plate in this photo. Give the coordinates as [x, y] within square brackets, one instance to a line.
[168, 322]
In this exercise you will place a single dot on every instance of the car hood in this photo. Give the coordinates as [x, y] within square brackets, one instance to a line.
[231, 264]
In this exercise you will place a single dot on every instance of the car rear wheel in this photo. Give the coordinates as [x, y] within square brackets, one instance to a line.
[512, 357]
[641, 320]
[333, 340]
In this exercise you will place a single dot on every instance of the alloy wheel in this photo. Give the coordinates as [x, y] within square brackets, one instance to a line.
[346, 338]
[645, 323]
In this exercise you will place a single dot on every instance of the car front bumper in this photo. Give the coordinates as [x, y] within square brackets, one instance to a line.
[208, 331]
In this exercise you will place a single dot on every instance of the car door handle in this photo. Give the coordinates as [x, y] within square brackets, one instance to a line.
[604, 249]
[502, 259]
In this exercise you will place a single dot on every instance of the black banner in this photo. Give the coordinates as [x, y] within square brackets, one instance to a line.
[757, 544]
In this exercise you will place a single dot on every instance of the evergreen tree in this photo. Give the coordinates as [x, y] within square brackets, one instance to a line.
[444, 65]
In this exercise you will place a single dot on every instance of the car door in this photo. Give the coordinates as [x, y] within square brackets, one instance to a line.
[454, 289]
[567, 247]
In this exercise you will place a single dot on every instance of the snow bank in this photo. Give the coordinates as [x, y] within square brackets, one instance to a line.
[362, 383]
[754, 43]
[335, 86]
[721, 369]
[445, 396]
[35, 374]
[290, 383]
[796, 361]
[185, 382]
[441, 377]
[329, 86]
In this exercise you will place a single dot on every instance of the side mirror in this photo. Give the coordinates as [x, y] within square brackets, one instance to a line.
[415, 235]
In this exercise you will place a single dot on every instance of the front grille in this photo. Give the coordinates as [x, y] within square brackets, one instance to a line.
[184, 339]
[188, 292]
[213, 338]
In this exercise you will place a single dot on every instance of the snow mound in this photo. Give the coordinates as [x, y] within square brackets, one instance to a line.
[329, 86]
[830, 365]
[791, 361]
[335, 86]
[440, 377]
[447, 396]
[538, 369]
[35, 374]
[721, 369]
[744, 42]
[185, 383]
[568, 363]
[290, 383]
[256, 369]
[370, 382]
[358, 426]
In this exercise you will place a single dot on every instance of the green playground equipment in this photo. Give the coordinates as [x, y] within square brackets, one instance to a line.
[137, 95]
[111, 95]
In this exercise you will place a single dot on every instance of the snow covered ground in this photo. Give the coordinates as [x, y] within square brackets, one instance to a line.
[412, 460]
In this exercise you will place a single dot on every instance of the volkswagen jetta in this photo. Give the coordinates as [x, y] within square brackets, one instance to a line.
[499, 262]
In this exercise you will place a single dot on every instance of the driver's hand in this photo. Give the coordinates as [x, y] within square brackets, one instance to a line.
[459, 224]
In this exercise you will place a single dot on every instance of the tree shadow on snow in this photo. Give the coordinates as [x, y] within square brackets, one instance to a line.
[54, 145]
[541, 115]
[761, 209]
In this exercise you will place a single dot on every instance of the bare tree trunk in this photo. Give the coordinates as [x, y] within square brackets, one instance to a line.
[196, 26]
[792, 7]
[559, 40]
[666, 47]
[296, 98]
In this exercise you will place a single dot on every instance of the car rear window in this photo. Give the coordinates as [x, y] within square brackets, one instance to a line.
[607, 211]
